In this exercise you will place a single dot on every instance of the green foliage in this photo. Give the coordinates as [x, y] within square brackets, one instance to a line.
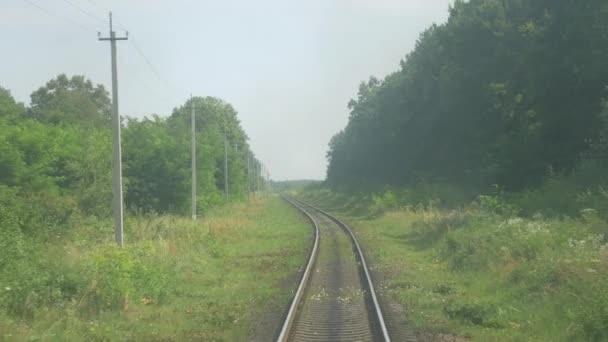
[28, 277]
[495, 205]
[485, 272]
[60, 273]
[593, 315]
[477, 103]
[57, 154]
[157, 153]
[383, 202]
[67, 101]
[473, 313]
[174, 280]
[118, 274]
[9, 109]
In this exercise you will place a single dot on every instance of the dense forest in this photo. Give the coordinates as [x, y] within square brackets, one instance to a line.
[478, 172]
[55, 156]
[506, 93]
[62, 276]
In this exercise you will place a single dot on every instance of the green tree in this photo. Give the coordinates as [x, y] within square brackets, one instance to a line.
[72, 100]
[501, 93]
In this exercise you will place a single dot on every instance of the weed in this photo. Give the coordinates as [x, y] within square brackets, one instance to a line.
[175, 279]
[474, 313]
[495, 270]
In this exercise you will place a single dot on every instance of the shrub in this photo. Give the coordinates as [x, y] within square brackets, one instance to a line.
[109, 271]
[117, 274]
[495, 204]
[383, 202]
[483, 314]
[28, 278]
[592, 315]
[435, 224]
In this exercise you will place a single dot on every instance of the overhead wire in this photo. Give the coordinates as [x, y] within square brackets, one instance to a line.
[140, 51]
[157, 94]
[151, 66]
[116, 22]
[135, 45]
[88, 14]
[53, 14]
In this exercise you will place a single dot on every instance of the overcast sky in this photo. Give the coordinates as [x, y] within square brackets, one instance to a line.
[288, 67]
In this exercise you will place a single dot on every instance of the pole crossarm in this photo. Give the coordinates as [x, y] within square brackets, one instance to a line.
[115, 38]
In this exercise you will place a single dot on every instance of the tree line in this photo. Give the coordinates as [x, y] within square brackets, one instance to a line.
[506, 92]
[55, 155]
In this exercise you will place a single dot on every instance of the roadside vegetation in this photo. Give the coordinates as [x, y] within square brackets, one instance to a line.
[475, 174]
[176, 279]
[484, 271]
[506, 92]
[61, 275]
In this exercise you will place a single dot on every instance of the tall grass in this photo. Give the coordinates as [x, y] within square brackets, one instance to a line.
[495, 269]
[175, 279]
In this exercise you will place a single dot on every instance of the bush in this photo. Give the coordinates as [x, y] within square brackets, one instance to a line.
[28, 278]
[490, 240]
[384, 202]
[593, 315]
[117, 274]
[434, 224]
[483, 314]
[495, 205]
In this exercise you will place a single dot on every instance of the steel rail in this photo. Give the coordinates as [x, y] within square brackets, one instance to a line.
[291, 314]
[377, 310]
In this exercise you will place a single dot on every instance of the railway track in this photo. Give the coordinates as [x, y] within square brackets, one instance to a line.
[336, 299]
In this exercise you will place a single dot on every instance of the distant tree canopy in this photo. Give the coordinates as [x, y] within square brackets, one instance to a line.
[58, 151]
[157, 157]
[503, 92]
[66, 100]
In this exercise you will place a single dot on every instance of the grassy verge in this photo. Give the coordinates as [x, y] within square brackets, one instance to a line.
[485, 273]
[175, 280]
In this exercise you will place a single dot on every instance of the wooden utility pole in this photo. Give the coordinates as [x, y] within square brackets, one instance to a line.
[259, 176]
[225, 163]
[117, 202]
[248, 174]
[193, 124]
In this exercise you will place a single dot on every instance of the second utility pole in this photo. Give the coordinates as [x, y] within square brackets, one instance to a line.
[248, 174]
[116, 154]
[193, 124]
[225, 162]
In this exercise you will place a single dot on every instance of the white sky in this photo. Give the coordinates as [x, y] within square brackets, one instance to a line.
[289, 67]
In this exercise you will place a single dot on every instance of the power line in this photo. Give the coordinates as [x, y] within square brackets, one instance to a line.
[150, 65]
[155, 92]
[85, 12]
[139, 51]
[104, 9]
[132, 41]
[53, 14]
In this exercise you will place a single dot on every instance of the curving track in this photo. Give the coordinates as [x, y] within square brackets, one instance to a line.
[335, 300]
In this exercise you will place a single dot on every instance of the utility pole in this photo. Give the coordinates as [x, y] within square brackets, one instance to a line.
[259, 176]
[248, 174]
[193, 124]
[266, 179]
[225, 162]
[269, 183]
[116, 153]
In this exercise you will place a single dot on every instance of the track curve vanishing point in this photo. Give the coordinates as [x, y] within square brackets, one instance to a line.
[336, 299]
